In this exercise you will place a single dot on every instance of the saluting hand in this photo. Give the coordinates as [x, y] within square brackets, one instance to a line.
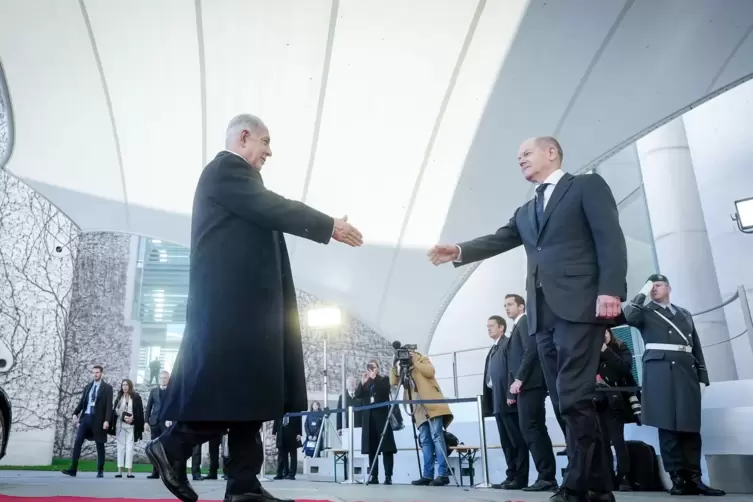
[347, 233]
[443, 253]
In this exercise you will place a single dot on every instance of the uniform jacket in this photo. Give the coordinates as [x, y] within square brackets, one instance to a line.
[671, 392]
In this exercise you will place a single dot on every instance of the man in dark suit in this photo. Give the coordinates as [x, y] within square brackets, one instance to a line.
[153, 410]
[529, 388]
[577, 267]
[242, 325]
[287, 433]
[350, 400]
[499, 402]
[91, 416]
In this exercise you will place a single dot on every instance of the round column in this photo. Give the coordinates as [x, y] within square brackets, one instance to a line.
[681, 240]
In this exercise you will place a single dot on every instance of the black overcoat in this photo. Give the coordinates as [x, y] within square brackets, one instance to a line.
[138, 417]
[671, 387]
[102, 410]
[286, 436]
[374, 419]
[241, 357]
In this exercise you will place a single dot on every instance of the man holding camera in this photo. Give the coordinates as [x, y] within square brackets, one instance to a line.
[431, 419]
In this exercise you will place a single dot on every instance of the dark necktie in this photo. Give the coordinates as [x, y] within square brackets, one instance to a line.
[540, 204]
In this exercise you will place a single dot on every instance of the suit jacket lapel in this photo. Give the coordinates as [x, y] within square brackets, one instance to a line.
[559, 192]
[532, 214]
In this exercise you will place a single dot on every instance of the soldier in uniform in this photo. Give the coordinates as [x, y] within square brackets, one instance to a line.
[673, 372]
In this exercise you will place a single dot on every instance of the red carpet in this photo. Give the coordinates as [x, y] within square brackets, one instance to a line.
[9, 498]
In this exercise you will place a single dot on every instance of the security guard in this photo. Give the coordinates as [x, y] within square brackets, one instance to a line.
[673, 372]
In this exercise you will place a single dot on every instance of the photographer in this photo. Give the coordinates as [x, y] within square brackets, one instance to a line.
[616, 370]
[431, 431]
[375, 388]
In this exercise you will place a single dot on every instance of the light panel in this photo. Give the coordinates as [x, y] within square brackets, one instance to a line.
[391, 63]
[150, 61]
[323, 317]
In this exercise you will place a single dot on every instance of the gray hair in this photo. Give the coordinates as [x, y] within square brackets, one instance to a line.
[239, 123]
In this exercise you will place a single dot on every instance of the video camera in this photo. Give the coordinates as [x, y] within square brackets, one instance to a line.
[402, 353]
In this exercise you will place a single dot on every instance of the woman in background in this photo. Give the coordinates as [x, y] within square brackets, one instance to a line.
[616, 370]
[128, 417]
[312, 425]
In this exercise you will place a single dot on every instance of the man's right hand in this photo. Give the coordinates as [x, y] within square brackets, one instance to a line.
[443, 253]
[346, 233]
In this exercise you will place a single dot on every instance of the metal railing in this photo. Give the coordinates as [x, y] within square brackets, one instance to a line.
[459, 372]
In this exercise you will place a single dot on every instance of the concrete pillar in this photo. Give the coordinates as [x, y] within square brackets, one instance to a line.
[682, 245]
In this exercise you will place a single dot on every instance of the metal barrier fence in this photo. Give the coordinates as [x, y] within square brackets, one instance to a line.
[459, 373]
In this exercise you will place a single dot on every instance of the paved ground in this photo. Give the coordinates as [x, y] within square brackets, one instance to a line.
[47, 484]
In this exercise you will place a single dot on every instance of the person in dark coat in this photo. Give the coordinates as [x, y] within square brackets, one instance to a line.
[242, 322]
[375, 388]
[674, 370]
[288, 439]
[498, 402]
[616, 370]
[350, 400]
[92, 416]
[153, 411]
[576, 281]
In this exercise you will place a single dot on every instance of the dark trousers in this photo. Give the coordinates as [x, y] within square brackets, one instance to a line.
[574, 369]
[613, 432]
[214, 457]
[680, 451]
[389, 461]
[513, 446]
[84, 428]
[245, 456]
[532, 416]
[548, 357]
[287, 461]
[156, 431]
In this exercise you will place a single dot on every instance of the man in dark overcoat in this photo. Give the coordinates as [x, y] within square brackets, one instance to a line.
[287, 431]
[91, 416]
[154, 410]
[240, 361]
[576, 281]
[674, 370]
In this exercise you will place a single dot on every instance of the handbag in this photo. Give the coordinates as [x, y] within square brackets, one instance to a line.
[125, 415]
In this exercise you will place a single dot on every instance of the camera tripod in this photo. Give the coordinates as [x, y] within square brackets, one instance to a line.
[406, 381]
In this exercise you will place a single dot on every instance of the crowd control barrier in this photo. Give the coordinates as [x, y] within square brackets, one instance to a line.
[351, 429]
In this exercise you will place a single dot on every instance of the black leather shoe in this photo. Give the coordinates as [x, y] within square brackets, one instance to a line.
[697, 485]
[517, 484]
[421, 482]
[388, 480]
[197, 477]
[153, 476]
[69, 472]
[503, 484]
[100, 474]
[173, 474]
[564, 495]
[541, 485]
[440, 481]
[210, 476]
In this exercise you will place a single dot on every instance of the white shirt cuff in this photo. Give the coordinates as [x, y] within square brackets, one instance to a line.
[460, 255]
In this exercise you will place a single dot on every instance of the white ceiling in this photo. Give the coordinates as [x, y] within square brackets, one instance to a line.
[404, 115]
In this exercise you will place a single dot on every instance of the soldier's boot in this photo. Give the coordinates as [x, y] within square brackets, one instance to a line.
[698, 487]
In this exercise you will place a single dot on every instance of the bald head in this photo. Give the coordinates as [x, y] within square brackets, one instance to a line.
[538, 157]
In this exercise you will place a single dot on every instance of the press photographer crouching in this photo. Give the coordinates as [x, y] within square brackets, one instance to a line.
[616, 408]
[430, 419]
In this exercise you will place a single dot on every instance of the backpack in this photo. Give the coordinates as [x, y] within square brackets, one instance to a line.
[644, 467]
[450, 440]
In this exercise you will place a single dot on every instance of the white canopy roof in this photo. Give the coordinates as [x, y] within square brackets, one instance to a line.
[406, 115]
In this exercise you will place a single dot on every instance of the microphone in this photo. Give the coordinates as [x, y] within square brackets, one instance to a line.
[396, 345]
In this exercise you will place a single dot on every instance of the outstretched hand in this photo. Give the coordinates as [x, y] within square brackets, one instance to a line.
[347, 233]
[443, 253]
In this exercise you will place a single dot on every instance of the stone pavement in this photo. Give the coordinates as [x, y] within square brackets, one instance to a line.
[47, 484]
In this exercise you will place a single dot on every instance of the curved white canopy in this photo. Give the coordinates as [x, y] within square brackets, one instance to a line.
[406, 115]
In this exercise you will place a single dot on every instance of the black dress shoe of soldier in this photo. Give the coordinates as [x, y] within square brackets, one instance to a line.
[173, 474]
